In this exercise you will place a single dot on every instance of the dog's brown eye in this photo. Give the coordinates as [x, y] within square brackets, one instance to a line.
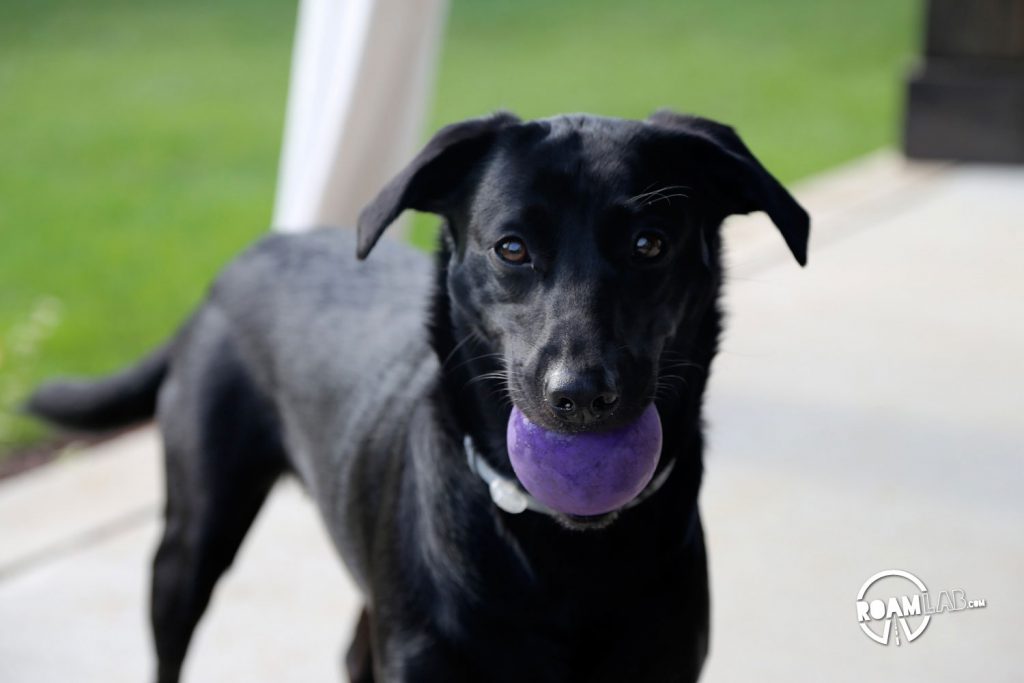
[512, 250]
[647, 246]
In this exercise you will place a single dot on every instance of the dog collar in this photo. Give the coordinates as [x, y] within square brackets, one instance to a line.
[511, 498]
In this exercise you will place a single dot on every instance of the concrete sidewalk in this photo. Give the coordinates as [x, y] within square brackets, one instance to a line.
[866, 413]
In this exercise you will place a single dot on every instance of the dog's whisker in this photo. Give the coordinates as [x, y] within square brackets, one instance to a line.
[455, 349]
[661, 194]
[472, 335]
[502, 394]
[483, 356]
[683, 364]
[497, 374]
[671, 382]
[647, 191]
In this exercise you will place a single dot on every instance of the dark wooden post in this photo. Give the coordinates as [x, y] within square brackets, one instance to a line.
[965, 100]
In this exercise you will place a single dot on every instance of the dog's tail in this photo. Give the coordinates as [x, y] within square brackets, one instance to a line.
[118, 400]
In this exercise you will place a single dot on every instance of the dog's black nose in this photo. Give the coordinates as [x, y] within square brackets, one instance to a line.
[580, 398]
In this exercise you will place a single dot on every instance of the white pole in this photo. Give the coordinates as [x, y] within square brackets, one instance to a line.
[362, 72]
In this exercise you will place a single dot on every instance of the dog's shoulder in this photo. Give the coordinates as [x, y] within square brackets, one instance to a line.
[305, 306]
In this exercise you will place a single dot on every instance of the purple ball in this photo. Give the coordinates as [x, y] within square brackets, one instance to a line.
[585, 474]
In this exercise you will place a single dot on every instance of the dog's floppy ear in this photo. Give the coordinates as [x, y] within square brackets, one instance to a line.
[433, 181]
[748, 186]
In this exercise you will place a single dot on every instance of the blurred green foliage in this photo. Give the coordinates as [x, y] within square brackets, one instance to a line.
[139, 139]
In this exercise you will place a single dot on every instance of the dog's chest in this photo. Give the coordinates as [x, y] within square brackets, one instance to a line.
[607, 628]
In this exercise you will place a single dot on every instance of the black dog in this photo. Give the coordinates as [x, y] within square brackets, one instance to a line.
[577, 278]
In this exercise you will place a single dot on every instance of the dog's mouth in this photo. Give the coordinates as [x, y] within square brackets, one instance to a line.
[540, 412]
[587, 523]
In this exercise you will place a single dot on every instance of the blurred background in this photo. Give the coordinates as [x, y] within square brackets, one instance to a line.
[865, 413]
[141, 138]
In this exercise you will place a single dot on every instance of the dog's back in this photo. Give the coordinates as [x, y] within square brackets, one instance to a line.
[329, 339]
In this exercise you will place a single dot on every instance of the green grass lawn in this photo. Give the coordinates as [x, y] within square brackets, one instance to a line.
[139, 139]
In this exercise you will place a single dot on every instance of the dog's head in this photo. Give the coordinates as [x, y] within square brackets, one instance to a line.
[583, 248]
